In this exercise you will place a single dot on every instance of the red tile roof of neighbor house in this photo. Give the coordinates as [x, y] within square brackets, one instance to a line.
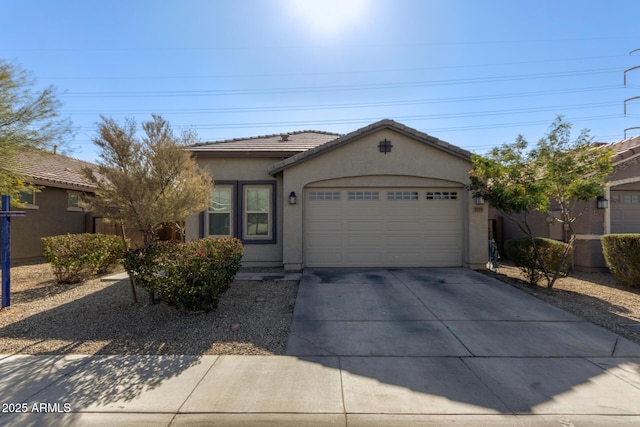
[277, 145]
[625, 149]
[54, 170]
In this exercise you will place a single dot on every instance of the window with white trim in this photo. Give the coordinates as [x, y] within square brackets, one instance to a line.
[257, 216]
[442, 195]
[242, 209]
[73, 201]
[220, 212]
[28, 198]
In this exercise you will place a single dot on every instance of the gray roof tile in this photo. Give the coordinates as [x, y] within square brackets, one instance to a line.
[54, 170]
[625, 149]
[296, 142]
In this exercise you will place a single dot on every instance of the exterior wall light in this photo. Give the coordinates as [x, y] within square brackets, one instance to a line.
[602, 202]
[293, 199]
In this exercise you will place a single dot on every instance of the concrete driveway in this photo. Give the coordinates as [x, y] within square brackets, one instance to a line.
[454, 341]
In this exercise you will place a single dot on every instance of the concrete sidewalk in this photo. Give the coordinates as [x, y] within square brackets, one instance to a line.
[367, 348]
[327, 391]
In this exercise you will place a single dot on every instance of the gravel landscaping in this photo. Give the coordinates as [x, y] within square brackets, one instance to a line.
[593, 296]
[98, 317]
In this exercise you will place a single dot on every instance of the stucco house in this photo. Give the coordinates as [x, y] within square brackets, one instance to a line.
[54, 209]
[616, 211]
[385, 195]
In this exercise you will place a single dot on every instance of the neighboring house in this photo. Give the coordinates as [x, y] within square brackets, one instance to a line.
[54, 209]
[385, 195]
[617, 212]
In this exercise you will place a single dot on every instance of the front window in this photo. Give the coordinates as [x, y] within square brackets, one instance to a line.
[73, 200]
[257, 212]
[28, 197]
[220, 212]
[242, 209]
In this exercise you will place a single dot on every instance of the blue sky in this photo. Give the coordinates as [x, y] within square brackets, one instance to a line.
[473, 73]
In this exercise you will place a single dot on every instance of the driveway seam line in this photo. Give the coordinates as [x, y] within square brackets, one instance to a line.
[414, 294]
[608, 371]
[486, 385]
[195, 387]
[344, 405]
[313, 344]
[434, 314]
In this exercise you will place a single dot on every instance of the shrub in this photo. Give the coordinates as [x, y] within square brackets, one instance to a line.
[77, 257]
[521, 252]
[192, 276]
[622, 254]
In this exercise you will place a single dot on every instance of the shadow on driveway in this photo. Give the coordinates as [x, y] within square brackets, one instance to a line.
[456, 341]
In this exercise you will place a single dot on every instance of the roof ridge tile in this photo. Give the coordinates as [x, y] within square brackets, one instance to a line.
[252, 138]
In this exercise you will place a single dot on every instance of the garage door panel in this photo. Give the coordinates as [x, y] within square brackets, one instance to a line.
[387, 231]
[330, 257]
[625, 212]
[409, 243]
[363, 243]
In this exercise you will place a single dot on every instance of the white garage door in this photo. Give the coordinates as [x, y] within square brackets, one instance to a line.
[372, 227]
[625, 211]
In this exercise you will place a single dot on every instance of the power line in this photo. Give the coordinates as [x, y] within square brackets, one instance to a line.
[337, 88]
[431, 130]
[359, 120]
[304, 123]
[373, 104]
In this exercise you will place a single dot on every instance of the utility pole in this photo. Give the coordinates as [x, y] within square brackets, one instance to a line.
[633, 98]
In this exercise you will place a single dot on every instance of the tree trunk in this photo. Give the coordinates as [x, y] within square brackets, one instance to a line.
[527, 230]
[126, 248]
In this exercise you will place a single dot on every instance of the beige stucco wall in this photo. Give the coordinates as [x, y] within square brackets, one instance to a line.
[631, 186]
[587, 255]
[383, 181]
[359, 162]
[51, 218]
[627, 169]
[245, 169]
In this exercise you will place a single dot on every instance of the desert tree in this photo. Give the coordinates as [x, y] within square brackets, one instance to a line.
[29, 118]
[557, 172]
[149, 179]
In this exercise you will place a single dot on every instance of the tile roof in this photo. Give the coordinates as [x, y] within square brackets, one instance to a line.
[296, 142]
[53, 170]
[385, 123]
[625, 149]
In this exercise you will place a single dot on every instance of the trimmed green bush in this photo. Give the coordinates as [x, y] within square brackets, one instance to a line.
[192, 276]
[622, 254]
[521, 252]
[77, 257]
